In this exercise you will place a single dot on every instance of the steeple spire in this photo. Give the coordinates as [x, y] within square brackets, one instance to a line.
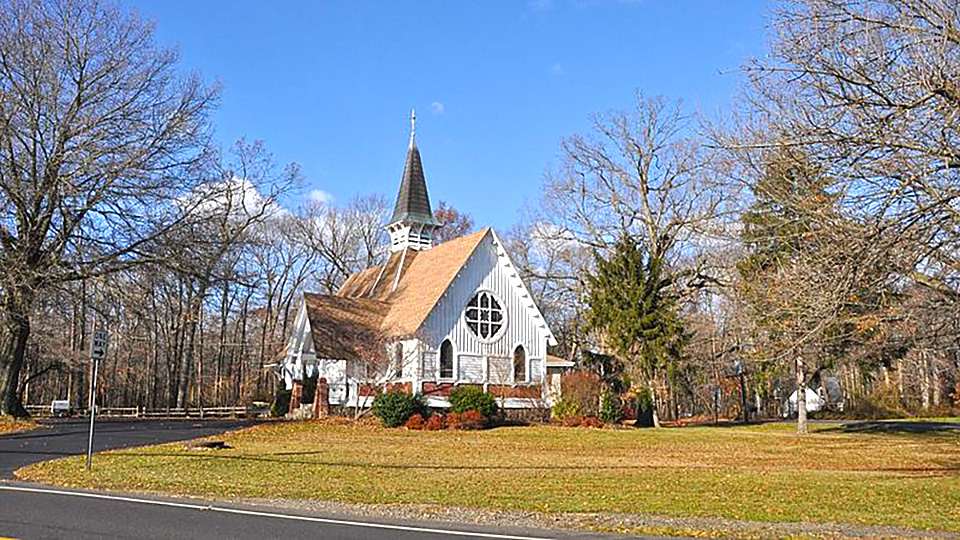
[412, 224]
[413, 128]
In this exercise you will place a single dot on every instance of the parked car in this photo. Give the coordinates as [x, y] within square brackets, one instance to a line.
[61, 408]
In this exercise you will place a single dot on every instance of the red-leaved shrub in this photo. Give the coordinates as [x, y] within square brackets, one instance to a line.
[434, 423]
[583, 389]
[414, 422]
[467, 420]
[582, 421]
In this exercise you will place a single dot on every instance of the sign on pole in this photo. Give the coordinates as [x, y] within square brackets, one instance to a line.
[98, 350]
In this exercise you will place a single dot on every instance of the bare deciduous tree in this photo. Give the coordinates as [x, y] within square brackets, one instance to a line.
[99, 139]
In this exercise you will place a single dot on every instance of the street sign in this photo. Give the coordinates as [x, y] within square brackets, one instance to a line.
[99, 348]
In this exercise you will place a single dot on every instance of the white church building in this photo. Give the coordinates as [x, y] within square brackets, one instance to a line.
[431, 318]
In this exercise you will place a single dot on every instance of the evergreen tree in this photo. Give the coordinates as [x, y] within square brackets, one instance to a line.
[632, 309]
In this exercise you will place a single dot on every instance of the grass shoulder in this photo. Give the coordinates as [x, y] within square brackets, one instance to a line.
[10, 425]
[756, 473]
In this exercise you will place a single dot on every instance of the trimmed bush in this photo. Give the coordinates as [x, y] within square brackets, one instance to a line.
[281, 403]
[434, 423]
[644, 408]
[471, 398]
[414, 422]
[395, 408]
[565, 408]
[466, 421]
[611, 409]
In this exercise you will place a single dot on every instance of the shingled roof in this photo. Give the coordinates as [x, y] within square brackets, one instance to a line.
[344, 327]
[413, 202]
[388, 301]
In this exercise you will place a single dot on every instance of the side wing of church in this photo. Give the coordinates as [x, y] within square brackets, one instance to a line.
[428, 320]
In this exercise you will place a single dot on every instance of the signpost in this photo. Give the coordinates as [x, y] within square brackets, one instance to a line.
[98, 350]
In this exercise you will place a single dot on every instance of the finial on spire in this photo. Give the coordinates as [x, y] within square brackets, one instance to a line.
[413, 126]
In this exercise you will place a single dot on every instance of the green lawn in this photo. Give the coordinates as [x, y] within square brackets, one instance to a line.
[761, 473]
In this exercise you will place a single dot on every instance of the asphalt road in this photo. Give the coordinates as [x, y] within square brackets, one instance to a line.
[80, 515]
[61, 438]
[34, 511]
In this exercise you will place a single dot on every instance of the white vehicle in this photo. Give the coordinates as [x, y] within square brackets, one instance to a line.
[61, 407]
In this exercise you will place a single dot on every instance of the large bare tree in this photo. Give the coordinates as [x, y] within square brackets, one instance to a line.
[100, 138]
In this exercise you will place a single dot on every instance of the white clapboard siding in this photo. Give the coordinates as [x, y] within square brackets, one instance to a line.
[536, 370]
[471, 368]
[335, 371]
[487, 270]
[428, 371]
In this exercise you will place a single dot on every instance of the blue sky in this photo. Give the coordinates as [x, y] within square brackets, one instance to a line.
[496, 84]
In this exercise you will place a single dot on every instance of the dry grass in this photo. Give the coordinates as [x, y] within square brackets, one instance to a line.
[10, 425]
[761, 473]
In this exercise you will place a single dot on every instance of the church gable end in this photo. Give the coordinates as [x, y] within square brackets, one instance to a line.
[489, 273]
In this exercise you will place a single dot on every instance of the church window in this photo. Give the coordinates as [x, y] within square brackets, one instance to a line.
[519, 364]
[446, 359]
[484, 315]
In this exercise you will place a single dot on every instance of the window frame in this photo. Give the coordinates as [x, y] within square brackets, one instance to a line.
[504, 320]
[453, 362]
[525, 363]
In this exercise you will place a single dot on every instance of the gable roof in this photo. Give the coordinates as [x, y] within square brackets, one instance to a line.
[413, 202]
[344, 327]
[392, 300]
[423, 283]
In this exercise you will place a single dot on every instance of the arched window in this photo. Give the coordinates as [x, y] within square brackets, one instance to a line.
[484, 315]
[446, 359]
[519, 364]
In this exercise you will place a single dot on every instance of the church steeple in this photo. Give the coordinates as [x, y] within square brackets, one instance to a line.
[412, 224]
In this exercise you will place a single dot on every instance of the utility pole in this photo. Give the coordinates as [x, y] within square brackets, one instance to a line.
[98, 350]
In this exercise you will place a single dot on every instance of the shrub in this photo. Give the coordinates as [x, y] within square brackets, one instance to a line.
[565, 408]
[611, 410]
[281, 403]
[583, 389]
[434, 423]
[414, 422]
[395, 408]
[582, 421]
[644, 408]
[883, 402]
[468, 420]
[471, 398]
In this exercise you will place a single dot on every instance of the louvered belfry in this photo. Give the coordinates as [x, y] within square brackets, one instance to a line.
[412, 224]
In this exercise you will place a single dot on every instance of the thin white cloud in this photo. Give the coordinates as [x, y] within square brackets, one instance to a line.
[236, 197]
[437, 107]
[320, 196]
[557, 69]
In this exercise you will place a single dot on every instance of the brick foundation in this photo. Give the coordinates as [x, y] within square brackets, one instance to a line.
[321, 399]
[296, 395]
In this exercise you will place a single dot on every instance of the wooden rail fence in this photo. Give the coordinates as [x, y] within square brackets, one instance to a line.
[43, 411]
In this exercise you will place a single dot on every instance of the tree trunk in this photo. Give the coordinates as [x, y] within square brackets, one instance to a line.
[13, 348]
[656, 404]
[183, 394]
[801, 397]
